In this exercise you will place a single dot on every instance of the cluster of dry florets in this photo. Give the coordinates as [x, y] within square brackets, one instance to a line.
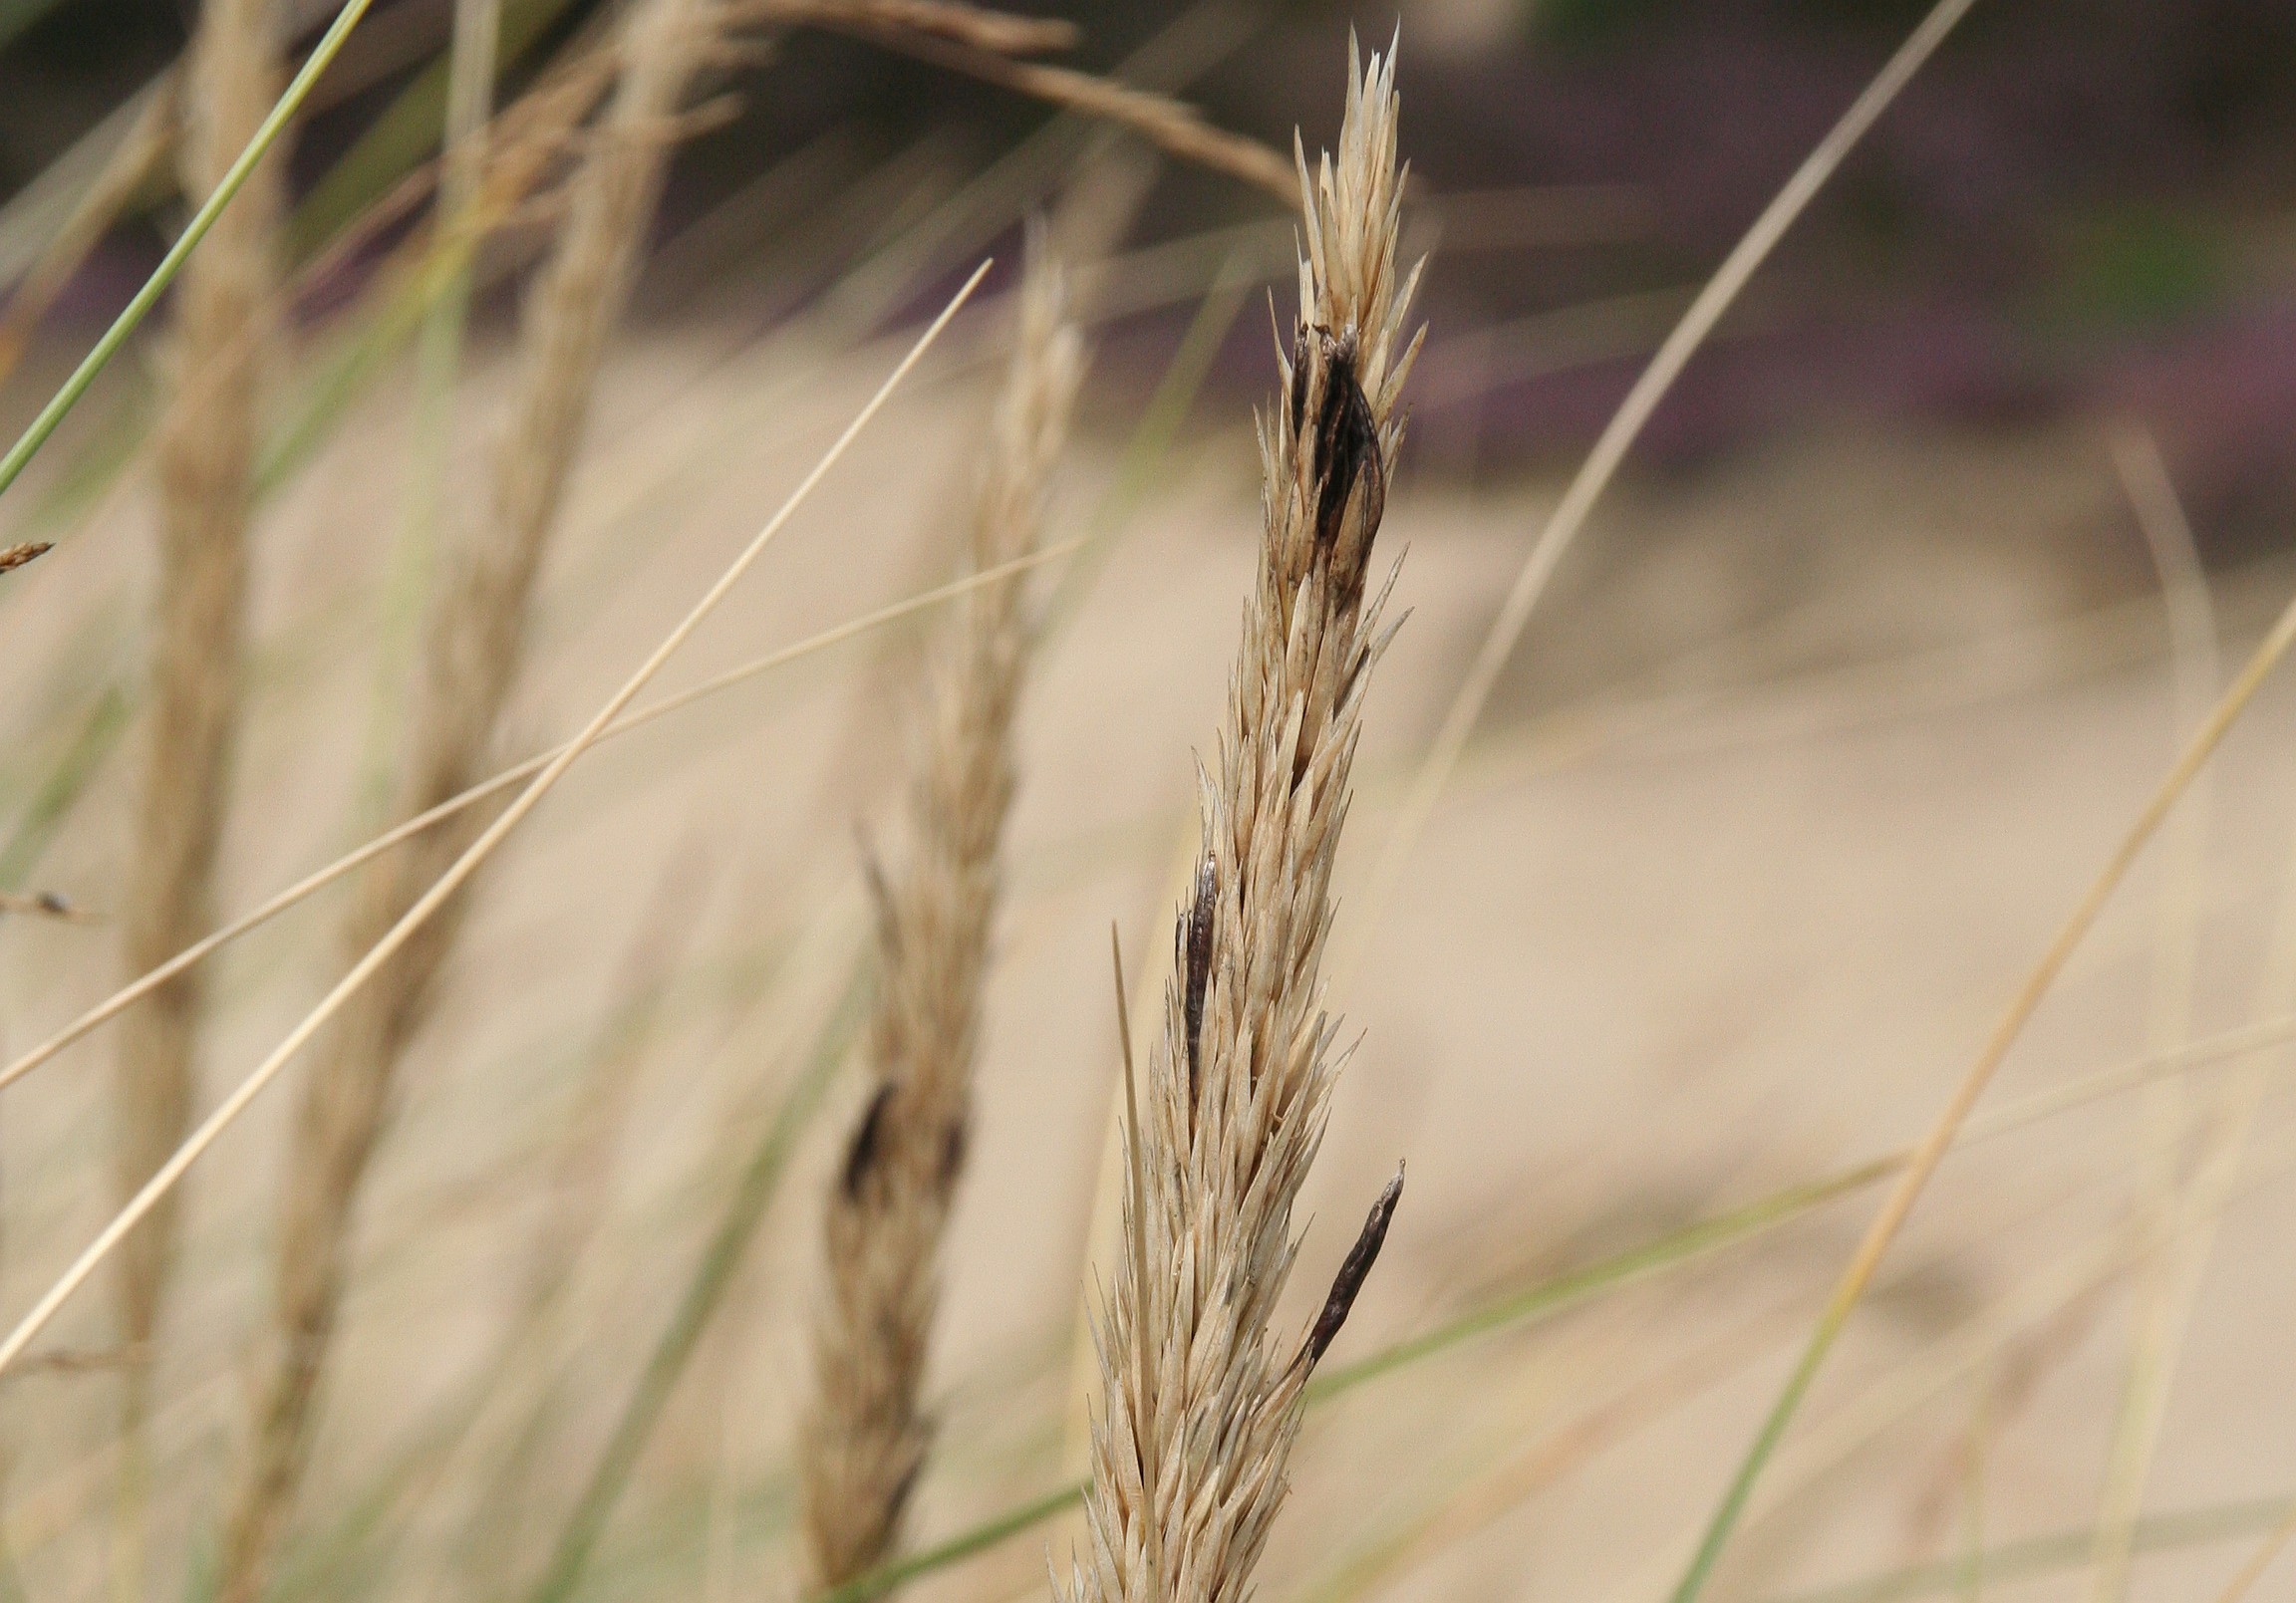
[869, 1430]
[1202, 1401]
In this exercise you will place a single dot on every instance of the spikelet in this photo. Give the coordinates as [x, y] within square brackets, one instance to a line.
[867, 1432]
[1201, 1404]
[474, 644]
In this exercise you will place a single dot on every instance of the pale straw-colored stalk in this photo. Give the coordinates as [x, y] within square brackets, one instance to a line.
[1857, 1275]
[1171, 126]
[1609, 454]
[474, 647]
[17, 1343]
[1201, 1400]
[2162, 1303]
[868, 1430]
[495, 785]
[207, 482]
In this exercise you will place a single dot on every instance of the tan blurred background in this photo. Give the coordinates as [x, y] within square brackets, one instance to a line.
[1846, 691]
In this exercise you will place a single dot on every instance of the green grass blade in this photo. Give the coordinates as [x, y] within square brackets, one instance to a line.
[1542, 1301]
[888, 1577]
[2056, 1553]
[61, 404]
[106, 720]
[704, 1291]
[1782, 1412]
[1551, 1297]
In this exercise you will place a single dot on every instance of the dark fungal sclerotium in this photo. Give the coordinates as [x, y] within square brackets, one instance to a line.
[1354, 1269]
[861, 1157]
[954, 1142]
[1349, 460]
[1195, 964]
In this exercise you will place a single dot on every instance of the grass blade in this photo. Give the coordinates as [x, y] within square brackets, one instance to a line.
[1931, 1152]
[61, 404]
[113, 720]
[229, 1110]
[1558, 1295]
[1626, 426]
[2058, 1552]
[704, 1291]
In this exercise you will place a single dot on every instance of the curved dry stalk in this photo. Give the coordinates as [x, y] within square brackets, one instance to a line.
[1172, 125]
[1620, 434]
[1004, 32]
[865, 1439]
[207, 482]
[1239, 1086]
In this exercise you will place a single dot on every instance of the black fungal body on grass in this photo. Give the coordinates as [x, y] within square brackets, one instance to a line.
[1354, 1269]
[1349, 466]
[861, 1157]
[1195, 964]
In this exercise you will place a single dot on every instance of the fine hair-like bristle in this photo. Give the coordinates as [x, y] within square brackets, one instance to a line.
[206, 444]
[473, 646]
[1199, 1403]
[867, 1432]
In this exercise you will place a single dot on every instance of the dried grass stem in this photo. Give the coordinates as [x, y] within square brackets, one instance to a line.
[866, 1437]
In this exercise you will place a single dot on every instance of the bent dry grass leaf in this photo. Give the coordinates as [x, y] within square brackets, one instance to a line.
[1171, 126]
[234, 1106]
[2170, 1279]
